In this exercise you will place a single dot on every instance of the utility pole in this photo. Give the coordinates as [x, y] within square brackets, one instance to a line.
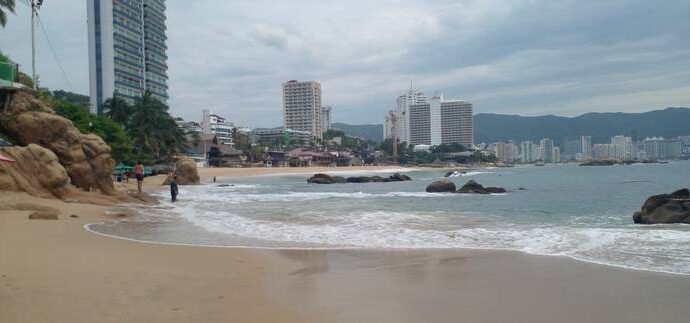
[33, 44]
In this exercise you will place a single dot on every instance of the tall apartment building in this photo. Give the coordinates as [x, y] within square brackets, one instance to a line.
[526, 152]
[505, 152]
[441, 122]
[127, 50]
[402, 111]
[326, 117]
[547, 150]
[586, 147]
[215, 125]
[622, 147]
[302, 107]
[389, 130]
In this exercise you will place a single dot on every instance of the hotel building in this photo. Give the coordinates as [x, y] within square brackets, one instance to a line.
[127, 50]
[440, 122]
[302, 107]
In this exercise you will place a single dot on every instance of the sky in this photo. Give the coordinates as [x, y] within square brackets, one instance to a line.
[526, 57]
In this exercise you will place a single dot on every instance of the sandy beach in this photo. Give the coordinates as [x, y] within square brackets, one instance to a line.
[56, 271]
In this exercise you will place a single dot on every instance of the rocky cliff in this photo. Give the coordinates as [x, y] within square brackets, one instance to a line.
[85, 157]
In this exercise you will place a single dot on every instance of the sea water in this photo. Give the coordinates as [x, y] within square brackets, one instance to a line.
[562, 210]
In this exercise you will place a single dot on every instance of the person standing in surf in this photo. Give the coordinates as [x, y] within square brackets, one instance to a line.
[139, 174]
[173, 189]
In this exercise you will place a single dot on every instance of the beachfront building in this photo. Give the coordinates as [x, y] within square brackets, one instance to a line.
[556, 155]
[402, 112]
[326, 117]
[302, 107]
[441, 122]
[215, 125]
[127, 50]
[505, 152]
[586, 142]
[622, 148]
[660, 148]
[389, 128]
[280, 137]
[601, 151]
[546, 146]
[526, 152]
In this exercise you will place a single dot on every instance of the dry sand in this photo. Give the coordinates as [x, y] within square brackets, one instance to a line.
[55, 271]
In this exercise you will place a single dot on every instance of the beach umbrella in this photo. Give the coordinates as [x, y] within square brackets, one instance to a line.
[6, 159]
[122, 167]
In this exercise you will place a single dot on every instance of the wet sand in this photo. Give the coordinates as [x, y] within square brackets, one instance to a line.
[55, 271]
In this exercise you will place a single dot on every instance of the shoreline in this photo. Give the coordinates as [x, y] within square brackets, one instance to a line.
[77, 274]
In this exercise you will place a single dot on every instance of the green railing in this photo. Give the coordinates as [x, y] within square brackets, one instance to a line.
[7, 71]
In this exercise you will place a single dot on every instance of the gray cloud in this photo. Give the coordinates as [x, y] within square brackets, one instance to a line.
[525, 57]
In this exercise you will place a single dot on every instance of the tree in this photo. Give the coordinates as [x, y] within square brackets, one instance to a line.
[5, 6]
[154, 132]
[118, 110]
[240, 140]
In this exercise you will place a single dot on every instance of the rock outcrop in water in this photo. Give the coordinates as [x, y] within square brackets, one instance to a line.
[665, 208]
[472, 187]
[85, 157]
[441, 186]
[327, 179]
[186, 172]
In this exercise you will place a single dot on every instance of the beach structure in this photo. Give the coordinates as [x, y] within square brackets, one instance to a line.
[127, 50]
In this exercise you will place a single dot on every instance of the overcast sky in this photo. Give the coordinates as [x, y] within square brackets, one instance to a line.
[517, 57]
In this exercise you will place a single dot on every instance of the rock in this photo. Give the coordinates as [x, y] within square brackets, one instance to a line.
[472, 187]
[186, 172]
[74, 216]
[223, 185]
[325, 179]
[85, 157]
[665, 208]
[40, 215]
[599, 163]
[36, 171]
[367, 179]
[441, 186]
[397, 177]
[450, 173]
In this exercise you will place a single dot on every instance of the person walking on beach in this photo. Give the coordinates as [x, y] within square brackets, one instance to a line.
[173, 189]
[139, 174]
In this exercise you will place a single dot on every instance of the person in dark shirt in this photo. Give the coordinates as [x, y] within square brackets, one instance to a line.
[173, 189]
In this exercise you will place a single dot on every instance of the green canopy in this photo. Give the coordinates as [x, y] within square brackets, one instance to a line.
[122, 167]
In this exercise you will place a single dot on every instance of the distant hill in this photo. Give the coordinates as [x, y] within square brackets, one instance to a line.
[668, 123]
[366, 131]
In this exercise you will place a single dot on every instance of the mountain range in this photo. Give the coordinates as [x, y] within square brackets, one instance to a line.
[490, 127]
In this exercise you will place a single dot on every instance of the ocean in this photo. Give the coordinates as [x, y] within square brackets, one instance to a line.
[583, 213]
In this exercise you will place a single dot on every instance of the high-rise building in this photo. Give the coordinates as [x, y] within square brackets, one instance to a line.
[622, 147]
[302, 107]
[556, 155]
[601, 151]
[326, 118]
[526, 152]
[441, 122]
[389, 125]
[402, 112]
[547, 150]
[505, 152]
[127, 50]
[586, 147]
[572, 147]
[215, 125]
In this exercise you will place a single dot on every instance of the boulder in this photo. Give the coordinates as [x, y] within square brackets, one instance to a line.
[36, 171]
[441, 186]
[472, 187]
[85, 157]
[325, 179]
[367, 179]
[665, 208]
[186, 172]
[449, 173]
[397, 177]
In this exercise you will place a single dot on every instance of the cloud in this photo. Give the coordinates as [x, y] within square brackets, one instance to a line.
[506, 56]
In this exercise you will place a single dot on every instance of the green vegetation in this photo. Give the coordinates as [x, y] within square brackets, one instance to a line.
[144, 131]
[5, 7]
[111, 132]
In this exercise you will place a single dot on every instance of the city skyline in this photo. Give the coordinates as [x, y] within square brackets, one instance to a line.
[483, 52]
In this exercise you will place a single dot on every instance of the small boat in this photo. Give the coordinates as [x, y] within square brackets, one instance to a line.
[539, 164]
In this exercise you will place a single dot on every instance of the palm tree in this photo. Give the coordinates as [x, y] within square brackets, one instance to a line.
[118, 110]
[153, 131]
[5, 6]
